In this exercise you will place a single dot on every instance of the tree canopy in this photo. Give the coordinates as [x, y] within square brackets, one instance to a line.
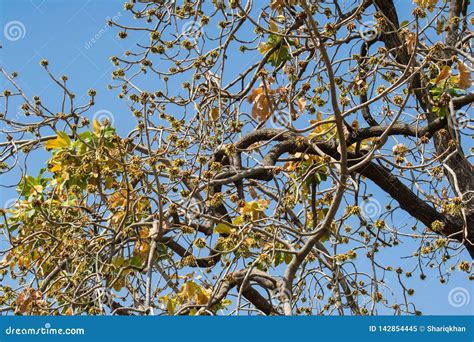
[276, 150]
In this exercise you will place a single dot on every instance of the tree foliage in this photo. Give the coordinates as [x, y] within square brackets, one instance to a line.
[281, 152]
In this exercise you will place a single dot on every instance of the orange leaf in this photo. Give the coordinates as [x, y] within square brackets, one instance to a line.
[444, 74]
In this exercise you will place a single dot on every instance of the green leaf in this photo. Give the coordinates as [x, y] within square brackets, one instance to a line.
[135, 261]
[325, 236]
[442, 112]
[455, 91]
[25, 186]
[436, 90]
[278, 258]
[237, 221]
[320, 177]
[118, 261]
[280, 56]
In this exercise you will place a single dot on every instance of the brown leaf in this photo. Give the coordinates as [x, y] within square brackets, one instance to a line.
[301, 102]
[465, 80]
[410, 41]
[253, 193]
[27, 299]
[261, 108]
[214, 114]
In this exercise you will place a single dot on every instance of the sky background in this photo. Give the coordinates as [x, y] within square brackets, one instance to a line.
[63, 32]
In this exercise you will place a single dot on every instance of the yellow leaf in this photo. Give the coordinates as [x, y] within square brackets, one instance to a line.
[222, 228]
[118, 199]
[279, 5]
[62, 140]
[226, 302]
[364, 145]
[201, 297]
[188, 291]
[272, 26]
[96, 126]
[322, 131]
[255, 209]
[144, 233]
[440, 26]
[465, 80]
[428, 4]
[38, 188]
[325, 236]
[263, 48]
[171, 306]
[141, 249]
[55, 167]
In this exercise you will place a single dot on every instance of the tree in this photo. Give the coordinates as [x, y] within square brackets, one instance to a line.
[272, 188]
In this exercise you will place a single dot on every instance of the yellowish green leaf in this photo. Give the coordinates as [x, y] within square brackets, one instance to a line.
[61, 141]
[222, 228]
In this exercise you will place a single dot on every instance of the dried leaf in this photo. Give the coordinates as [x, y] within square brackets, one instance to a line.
[301, 104]
[410, 41]
[261, 108]
[214, 114]
[280, 4]
[465, 80]
[252, 192]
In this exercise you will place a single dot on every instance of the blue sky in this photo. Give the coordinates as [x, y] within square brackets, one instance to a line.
[74, 37]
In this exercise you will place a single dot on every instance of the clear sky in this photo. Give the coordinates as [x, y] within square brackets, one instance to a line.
[74, 37]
